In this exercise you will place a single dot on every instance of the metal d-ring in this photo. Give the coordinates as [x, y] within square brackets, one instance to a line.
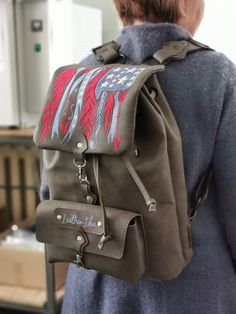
[78, 165]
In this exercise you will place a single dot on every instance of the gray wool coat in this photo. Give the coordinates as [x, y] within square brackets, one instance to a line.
[201, 91]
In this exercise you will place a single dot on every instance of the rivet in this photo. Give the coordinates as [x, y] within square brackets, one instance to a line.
[59, 217]
[79, 145]
[99, 223]
[79, 238]
[88, 198]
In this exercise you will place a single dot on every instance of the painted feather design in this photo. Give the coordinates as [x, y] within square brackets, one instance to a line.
[56, 122]
[115, 123]
[88, 113]
[78, 81]
[114, 120]
[99, 120]
[90, 99]
[117, 139]
[122, 96]
[66, 118]
[79, 102]
[108, 112]
[49, 111]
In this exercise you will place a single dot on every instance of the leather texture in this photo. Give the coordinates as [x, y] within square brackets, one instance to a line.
[177, 50]
[59, 224]
[151, 142]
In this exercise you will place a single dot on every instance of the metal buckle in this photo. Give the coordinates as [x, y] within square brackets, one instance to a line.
[107, 46]
[102, 53]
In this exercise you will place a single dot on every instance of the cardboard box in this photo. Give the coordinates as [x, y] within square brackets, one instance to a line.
[26, 267]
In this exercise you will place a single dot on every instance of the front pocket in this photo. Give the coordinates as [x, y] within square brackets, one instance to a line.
[73, 230]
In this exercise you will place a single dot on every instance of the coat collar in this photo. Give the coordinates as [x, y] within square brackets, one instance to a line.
[139, 42]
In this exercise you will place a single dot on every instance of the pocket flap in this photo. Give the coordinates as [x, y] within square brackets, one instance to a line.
[60, 222]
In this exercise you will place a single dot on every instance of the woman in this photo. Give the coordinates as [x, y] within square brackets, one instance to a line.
[201, 91]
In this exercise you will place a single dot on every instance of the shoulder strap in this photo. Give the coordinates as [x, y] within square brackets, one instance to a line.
[177, 50]
[201, 192]
[171, 50]
[109, 53]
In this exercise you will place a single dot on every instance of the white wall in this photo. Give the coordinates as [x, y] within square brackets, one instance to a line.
[218, 28]
[110, 25]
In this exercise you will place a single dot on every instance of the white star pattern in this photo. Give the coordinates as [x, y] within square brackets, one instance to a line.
[110, 76]
[132, 70]
[129, 84]
[122, 80]
[105, 84]
[118, 79]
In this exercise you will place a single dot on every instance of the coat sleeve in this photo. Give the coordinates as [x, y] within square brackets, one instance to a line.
[224, 162]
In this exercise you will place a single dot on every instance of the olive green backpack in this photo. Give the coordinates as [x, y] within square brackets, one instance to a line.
[113, 158]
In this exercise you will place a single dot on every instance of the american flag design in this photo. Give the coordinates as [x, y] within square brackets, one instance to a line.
[90, 99]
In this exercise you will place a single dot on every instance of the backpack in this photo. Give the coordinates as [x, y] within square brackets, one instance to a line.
[113, 158]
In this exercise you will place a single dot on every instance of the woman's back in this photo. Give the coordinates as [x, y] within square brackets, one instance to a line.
[201, 91]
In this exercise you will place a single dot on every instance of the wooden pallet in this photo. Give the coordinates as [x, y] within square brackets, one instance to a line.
[19, 174]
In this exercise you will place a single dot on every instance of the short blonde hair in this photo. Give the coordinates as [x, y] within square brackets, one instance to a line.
[152, 11]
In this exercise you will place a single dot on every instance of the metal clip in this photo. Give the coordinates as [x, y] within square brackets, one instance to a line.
[81, 169]
[84, 181]
[152, 205]
[78, 261]
[103, 240]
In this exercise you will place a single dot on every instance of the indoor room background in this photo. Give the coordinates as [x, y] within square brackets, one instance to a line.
[37, 37]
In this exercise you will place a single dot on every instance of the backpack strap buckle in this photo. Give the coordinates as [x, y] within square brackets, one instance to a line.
[109, 53]
[177, 50]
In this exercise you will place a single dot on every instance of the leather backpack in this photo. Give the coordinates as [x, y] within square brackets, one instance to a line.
[112, 154]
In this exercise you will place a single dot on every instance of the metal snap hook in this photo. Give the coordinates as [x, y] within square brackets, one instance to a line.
[78, 261]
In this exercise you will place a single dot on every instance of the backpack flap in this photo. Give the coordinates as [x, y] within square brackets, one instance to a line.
[96, 105]
[78, 227]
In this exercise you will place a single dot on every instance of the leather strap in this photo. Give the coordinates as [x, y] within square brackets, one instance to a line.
[201, 192]
[109, 53]
[106, 235]
[150, 202]
[177, 50]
